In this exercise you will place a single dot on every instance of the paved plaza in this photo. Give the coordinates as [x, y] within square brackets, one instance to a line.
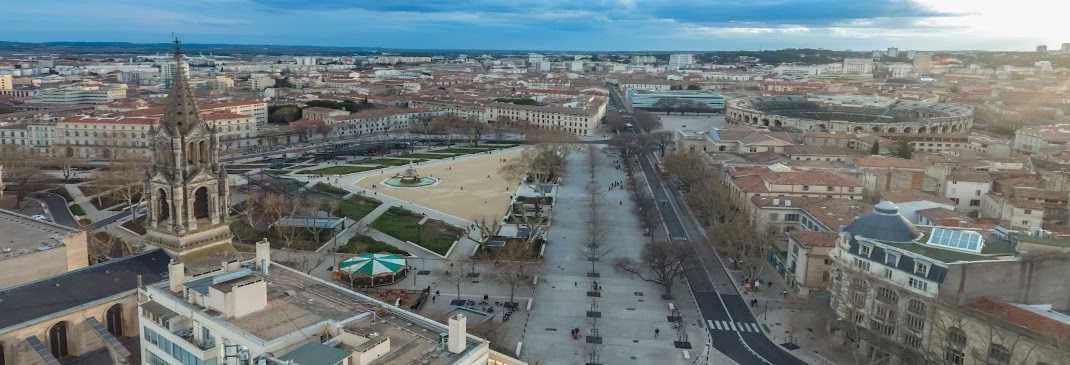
[691, 122]
[464, 190]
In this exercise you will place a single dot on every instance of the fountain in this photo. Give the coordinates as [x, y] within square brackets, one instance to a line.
[410, 179]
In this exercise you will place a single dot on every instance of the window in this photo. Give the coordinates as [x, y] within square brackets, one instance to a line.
[862, 265]
[954, 356]
[921, 269]
[791, 217]
[806, 188]
[887, 295]
[891, 258]
[1028, 211]
[978, 193]
[887, 273]
[916, 306]
[829, 189]
[919, 284]
[915, 323]
[864, 250]
[911, 340]
[998, 355]
[956, 337]
[851, 189]
[828, 261]
[956, 200]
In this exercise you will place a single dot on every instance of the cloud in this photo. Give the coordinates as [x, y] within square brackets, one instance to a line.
[531, 24]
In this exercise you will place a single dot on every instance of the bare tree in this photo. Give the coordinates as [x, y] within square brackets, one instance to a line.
[647, 121]
[744, 243]
[484, 229]
[25, 179]
[661, 262]
[627, 147]
[513, 266]
[66, 159]
[662, 140]
[123, 178]
[323, 130]
[646, 210]
[474, 130]
[445, 126]
[594, 245]
[453, 277]
[592, 159]
[688, 169]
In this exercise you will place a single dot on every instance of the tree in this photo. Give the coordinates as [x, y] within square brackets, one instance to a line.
[25, 179]
[661, 262]
[284, 83]
[694, 87]
[876, 149]
[284, 114]
[445, 126]
[513, 267]
[646, 121]
[902, 149]
[666, 104]
[324, 130]
[662, 140]
[474, 130]
[646, 210]
[485, 229]
[66, 159]
[626, 145]
[453, 277]
[124, 178]
[594, 245]
[687, 169]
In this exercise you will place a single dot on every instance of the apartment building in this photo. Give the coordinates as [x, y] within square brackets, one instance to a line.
[580, 115]
[761, 181]
[967, 189]
[34, 250]
[320, 113]
[253, 108]
[808, 260]
[887, 277]
[6, 82]
[88, 95]
[376, 121]
[991, 331]
[108, 137]
[259, 310]
[677, 61]
[1037, 138]
[103, 137]
[880, 174]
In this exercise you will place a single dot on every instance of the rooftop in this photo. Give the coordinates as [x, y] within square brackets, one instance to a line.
[55, 294]
[296, 301]
[1041, 319]
[24, 235]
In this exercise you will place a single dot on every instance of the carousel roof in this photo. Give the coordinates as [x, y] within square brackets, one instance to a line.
[372, 264]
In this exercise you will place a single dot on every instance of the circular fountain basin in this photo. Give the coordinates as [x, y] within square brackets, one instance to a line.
[398, 183]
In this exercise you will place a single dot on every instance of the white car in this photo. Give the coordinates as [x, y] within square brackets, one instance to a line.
[40, 218]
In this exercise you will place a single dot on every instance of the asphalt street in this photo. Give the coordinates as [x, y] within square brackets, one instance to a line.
[57, 208]
[731, 324]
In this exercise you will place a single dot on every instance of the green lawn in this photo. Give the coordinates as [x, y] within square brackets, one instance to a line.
[77, 210]
[357, 208]
[339, 170]
[402, 224]
[388, 162]
[369, 245]
[425, 156]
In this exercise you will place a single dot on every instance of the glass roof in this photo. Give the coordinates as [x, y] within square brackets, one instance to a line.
[958, 240]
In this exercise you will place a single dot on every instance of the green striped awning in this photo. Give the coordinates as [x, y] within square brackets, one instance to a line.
[372, 264]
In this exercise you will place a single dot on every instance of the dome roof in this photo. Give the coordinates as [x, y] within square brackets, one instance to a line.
[883, 224]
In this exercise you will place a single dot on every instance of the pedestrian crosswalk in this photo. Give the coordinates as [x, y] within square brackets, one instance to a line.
[733, 326]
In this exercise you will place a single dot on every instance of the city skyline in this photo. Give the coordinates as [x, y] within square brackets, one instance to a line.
[624, 25]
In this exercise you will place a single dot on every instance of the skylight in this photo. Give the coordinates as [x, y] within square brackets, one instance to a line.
[957, 240]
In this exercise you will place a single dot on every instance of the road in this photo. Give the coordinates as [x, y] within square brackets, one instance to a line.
[731, 324]
[57, 208]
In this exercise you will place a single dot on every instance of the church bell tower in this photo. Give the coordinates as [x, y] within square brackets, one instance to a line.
[186, 188]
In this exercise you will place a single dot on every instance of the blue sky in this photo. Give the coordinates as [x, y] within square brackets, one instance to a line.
[629, 25]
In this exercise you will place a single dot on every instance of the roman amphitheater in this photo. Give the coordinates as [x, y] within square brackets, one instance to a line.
[816, 113]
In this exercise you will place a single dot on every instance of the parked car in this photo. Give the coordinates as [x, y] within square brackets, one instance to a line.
[40, 218]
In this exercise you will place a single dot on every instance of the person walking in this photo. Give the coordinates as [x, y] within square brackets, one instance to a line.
[656, 332]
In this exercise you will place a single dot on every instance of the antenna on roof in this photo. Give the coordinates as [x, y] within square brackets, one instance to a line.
[178, 48]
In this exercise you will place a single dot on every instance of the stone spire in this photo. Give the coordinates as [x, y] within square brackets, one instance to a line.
[182, 113]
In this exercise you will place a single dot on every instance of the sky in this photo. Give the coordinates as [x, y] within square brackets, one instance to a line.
[589, 25]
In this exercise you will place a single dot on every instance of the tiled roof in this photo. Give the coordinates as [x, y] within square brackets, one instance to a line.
[1034, 320]
[835, 212]
[815, 238]
[893, 162]
[903, 196]
[829, 135]
[1031, 193]
[935, 214]
[815, 150]
[219, 116]
[816, 177]
[969, 177]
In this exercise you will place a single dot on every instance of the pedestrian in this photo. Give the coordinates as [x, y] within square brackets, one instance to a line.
[576, 284]
[485, 297]
[656, 332]
[462, 188]
[451, 265]
[433, 299]
[770, 284]
[621, 202]
[436, 292]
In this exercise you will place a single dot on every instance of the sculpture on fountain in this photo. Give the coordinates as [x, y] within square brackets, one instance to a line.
[410, 179]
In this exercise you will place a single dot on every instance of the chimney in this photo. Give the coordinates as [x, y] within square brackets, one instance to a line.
[776, 202]
[457, 340]
[263, 254]
[787, 202]
[176, 275]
